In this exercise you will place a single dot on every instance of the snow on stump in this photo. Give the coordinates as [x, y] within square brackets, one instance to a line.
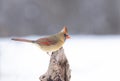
[58, 69]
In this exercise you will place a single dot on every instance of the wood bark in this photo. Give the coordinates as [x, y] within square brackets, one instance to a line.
[59, 69]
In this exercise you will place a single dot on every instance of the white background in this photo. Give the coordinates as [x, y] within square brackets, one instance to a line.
[91, 58]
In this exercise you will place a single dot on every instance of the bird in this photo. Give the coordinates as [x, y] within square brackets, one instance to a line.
[49, 43]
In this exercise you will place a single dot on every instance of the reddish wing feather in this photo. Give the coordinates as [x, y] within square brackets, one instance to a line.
[46, 41]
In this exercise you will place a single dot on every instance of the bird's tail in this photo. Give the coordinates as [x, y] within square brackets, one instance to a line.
[23, 40]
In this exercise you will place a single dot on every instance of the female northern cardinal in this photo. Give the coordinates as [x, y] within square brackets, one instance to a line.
[50, 43]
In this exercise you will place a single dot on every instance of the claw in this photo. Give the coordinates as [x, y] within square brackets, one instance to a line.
[48, 53]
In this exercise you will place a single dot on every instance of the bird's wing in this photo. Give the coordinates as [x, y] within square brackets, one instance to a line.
[47, 41]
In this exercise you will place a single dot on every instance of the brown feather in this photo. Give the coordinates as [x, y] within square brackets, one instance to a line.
[22, 40]
[47, 41]
[64, 30]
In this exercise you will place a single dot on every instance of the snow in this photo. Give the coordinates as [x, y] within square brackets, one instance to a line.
[91, 58]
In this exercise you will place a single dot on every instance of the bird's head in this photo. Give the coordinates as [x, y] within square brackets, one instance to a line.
[65, 32]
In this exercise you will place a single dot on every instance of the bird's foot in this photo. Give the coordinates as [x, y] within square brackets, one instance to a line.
[48, 53]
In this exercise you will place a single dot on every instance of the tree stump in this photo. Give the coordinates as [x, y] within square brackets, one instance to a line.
[58, 69]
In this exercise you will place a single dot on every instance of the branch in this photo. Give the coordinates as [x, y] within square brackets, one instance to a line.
[58, 69]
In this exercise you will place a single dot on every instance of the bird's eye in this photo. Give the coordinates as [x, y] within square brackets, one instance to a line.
[65, 35]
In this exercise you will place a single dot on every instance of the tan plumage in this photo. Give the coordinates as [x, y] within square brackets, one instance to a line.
[50, 43]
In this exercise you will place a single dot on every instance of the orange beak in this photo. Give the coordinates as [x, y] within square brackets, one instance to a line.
[68, 36]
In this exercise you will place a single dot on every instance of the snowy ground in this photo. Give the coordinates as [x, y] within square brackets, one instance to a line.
[91, 58]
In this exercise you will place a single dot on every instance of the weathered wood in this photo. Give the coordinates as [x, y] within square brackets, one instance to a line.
[58, 69]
